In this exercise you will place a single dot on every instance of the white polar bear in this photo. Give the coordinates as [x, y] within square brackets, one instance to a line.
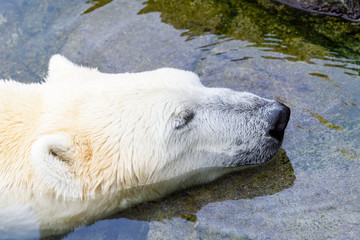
[85, 144]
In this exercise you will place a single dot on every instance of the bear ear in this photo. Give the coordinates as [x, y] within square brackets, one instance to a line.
[58, 66]
[60, 69]
[52, 157]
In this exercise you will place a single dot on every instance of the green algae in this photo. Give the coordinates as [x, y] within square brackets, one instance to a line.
[266, 23]
[324, 121]
[97, 4]
[350, 154]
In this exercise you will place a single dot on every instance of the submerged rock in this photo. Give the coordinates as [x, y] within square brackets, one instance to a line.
[347, 9]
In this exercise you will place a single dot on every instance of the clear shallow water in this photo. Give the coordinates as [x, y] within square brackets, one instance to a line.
[311, 63]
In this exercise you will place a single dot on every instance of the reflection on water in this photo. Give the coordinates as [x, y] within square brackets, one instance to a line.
[260, 180]
[268, 24]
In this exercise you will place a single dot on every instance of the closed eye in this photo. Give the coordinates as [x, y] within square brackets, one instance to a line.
[185, 120]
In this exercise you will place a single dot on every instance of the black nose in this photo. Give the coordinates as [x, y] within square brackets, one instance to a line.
[278, 120]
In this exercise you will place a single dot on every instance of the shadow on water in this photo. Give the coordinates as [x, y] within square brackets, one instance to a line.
[258, 180]
[270, 25]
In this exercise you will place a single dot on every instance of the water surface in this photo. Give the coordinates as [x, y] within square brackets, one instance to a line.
[310, 62]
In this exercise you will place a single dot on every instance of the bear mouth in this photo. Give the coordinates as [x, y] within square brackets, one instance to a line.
[254, 157]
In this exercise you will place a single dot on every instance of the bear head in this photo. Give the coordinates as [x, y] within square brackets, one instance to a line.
[110, 132]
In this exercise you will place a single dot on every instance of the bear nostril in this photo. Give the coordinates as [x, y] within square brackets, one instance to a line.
[278, 120]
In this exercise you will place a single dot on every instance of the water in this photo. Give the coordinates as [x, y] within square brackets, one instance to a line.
[311, 63]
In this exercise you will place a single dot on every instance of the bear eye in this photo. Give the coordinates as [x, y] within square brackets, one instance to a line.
[185, 118]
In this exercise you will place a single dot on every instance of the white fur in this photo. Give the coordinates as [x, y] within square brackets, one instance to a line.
[85, 144]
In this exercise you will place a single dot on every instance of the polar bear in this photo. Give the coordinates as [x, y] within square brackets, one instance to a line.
[85, 144]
